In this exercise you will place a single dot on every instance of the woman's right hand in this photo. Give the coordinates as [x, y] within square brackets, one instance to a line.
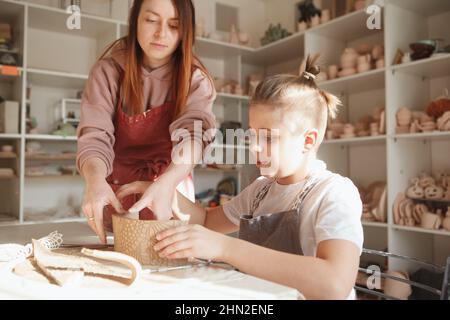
[99, 194]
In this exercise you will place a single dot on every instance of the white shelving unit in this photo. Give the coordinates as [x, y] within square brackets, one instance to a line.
[392, 158]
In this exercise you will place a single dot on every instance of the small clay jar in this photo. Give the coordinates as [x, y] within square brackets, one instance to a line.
[326, 16]
[446, 221]
[380, 63]
[395, 288]
[404, 117]
[431, 221]
[315, 21]
[333, 72]
[348, 58]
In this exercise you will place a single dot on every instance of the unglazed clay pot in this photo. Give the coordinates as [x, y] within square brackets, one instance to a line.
[315, 21]
[377, 52]
[363, 67]
[348, 58]
[397, 289]
[380, 63]
[404, 117]
[136, 238]
[326, 16]
[431, 221]
[446, 222]
[333, 72]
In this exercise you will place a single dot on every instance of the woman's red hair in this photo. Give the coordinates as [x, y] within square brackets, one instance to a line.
[185, 61]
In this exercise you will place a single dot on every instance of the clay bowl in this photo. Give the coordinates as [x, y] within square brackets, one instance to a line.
[136, 238]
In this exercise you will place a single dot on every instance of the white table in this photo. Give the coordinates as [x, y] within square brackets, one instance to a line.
[199, 283]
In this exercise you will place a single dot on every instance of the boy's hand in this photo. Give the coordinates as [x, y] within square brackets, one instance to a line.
[193, 241]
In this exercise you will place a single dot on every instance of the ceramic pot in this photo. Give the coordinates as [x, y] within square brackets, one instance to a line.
[136, 238]
[348, 58]
[380, 63]
[244, 38]
[446, 222]
[347, 72]
[397, 289]
[404, 117]
[364, 67]
[431, 221]
[333, 72]
[7, 148]
[302, 26]
[377, 52]
[315, 21]
[326, 16]
[364, 59]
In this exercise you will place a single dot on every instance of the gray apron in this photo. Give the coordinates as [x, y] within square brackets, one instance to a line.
[277, 231]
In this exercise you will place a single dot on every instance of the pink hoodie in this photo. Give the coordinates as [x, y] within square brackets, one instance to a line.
[98, 107]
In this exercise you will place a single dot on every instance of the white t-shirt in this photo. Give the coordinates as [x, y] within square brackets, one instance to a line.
[331, 211]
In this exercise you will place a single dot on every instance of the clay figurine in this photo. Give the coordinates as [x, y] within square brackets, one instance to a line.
[415, 191]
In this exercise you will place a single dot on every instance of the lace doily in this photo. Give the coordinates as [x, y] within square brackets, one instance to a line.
[11, 252]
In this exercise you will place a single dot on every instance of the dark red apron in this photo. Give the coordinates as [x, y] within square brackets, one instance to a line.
[142, 150]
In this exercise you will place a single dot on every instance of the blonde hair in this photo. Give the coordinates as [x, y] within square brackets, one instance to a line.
[299, 98]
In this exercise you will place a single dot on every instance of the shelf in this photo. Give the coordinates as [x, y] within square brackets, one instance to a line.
[283, 50]
[214, 49]
[374, 224]
[8, 155]
[370, 80]
[433, 67]
[49, 157]
[54, 221]
[48, 78]
[436, 135]
[7, 223]
[422, 230]
[49, 137]
[55, 19]
[3, 178]
[427, 8]
[4, 136]
[232, 96]
[357, 141]
[345, 28]
[51, 176]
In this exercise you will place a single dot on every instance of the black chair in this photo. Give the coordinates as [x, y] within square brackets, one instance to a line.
[441, 293]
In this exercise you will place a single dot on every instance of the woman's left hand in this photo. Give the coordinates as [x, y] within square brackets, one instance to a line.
[157, 196]
[193, 241]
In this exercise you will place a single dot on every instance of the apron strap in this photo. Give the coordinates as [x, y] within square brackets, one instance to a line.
[260, 197]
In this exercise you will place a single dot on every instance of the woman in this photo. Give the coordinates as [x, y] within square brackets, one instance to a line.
[144, 88]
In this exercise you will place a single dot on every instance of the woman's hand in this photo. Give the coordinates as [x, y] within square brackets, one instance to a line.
[193, 241]
[99, 194]
[140, 187]
[158, 196]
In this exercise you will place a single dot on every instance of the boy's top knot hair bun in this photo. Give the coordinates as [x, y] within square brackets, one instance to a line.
[309, 69]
